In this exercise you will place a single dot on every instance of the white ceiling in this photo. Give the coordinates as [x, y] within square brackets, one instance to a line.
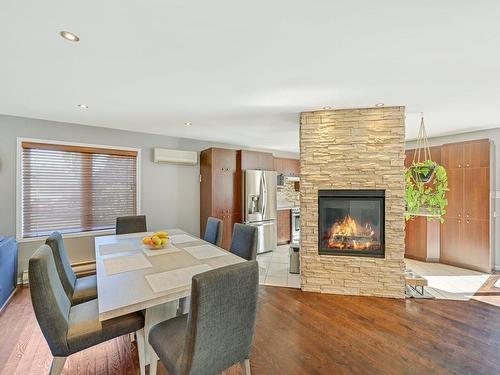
[242, 72]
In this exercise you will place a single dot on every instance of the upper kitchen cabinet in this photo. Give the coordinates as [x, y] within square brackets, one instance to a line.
[218, 190]
[255, 160]
[287, 167]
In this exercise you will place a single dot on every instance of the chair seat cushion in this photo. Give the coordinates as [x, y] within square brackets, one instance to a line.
[167, 339]
[85, 329]
[85, 290]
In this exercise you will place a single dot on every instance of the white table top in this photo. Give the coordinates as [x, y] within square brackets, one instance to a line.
[126, 292]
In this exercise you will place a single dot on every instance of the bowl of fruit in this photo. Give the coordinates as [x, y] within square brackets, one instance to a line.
[158, 240]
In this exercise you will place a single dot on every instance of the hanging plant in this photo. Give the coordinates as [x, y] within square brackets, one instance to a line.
[426, 183]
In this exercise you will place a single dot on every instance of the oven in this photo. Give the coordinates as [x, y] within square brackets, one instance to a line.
[295, 224]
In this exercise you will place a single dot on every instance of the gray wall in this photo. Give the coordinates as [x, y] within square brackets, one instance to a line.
[494, 135]
[169, 193]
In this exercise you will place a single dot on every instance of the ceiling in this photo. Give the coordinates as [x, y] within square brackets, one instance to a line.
[241, 72]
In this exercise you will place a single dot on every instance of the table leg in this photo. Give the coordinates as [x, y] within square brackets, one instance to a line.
[155, 315]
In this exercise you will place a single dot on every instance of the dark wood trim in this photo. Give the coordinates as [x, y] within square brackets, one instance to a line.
[83, 149]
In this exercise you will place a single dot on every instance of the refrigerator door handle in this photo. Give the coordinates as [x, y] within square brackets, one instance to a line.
[264, 193]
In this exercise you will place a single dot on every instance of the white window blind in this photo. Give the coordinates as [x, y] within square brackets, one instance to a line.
[74, 189]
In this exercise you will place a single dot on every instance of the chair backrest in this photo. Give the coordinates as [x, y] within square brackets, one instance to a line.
[213, 231]
[221, 320]
[131, 224]
[64, 270]
[244, 241]
[49, 299]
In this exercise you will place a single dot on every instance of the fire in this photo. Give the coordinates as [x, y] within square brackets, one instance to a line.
[349, 234]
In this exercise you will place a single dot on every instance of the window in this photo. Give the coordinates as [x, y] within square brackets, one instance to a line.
[73, 189]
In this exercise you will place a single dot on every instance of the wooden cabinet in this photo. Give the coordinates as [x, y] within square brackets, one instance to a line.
[255, 160]
[288, 167]
[218, 190]
[284, 223]
[465, 234]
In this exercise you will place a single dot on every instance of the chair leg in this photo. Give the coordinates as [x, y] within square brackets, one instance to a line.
[57, 365]
[140, 351]
[153, 361]
[245, 367]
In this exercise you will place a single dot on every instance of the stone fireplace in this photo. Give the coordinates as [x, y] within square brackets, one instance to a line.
[352, 201]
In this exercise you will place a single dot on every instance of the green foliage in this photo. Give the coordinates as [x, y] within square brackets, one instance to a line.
[430, 196]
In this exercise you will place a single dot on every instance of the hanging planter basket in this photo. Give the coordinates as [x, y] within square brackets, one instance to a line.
[426, 183]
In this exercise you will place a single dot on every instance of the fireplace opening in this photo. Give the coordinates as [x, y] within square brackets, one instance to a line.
[351, 222]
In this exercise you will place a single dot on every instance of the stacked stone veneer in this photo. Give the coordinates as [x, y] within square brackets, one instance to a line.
[353, 149]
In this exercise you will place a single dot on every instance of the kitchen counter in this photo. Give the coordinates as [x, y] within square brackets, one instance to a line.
[286, 206]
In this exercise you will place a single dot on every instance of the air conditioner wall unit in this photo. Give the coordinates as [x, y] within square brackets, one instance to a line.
[164, 155]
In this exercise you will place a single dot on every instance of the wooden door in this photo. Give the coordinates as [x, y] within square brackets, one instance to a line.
[416, 238]
[452, 241]
[452, 155]
[477, 193]
[477, 154]
[294, 167]
[455, 194]
[476, 245]
[284, 226]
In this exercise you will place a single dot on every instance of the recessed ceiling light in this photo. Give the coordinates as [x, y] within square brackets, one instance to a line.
[83, 106]
[187, 123]
[379, 105]
[327, 107]
[69, 36]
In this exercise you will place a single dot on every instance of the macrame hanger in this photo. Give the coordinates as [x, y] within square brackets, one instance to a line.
[422, 149]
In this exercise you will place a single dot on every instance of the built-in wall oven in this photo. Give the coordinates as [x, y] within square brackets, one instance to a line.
[295, 224]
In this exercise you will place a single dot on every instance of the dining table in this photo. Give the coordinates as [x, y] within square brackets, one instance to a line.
[131, 277]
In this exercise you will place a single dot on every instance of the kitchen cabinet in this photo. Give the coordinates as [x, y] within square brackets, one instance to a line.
[287, 167]
[255, 160]
[284, 222]
[466, 232]
[218, 190]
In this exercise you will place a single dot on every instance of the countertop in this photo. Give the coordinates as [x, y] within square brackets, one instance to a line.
[286, 206]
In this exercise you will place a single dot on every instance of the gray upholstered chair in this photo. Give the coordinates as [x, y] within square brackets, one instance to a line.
[78, 290]
[213, 231]
[218, 331]
[244, 241]
[70, 329]
[131, 224]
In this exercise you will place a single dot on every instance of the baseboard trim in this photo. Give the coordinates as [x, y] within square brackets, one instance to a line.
[80, 269]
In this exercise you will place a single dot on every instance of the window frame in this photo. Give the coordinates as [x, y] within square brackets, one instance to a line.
[19, 184]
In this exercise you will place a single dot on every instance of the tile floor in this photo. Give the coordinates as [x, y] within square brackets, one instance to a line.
[274, 268]
[448, 282]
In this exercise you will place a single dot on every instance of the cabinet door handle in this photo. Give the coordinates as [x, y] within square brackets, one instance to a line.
[459, 221]
[459, 215]
[468, 221]
[466, 216]
[467, 165]
[460, 166]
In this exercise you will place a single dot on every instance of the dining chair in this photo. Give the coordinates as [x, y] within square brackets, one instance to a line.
[131, 224]
[213, 231]
[78, 290]
[70, 329]
[244, 241]
[218, 330]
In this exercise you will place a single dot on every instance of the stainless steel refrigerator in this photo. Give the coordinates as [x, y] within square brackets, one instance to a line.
[259, 206]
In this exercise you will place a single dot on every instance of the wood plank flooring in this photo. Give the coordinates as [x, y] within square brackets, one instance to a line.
[304, 333]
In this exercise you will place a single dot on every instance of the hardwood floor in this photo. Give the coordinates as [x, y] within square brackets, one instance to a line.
[304, 333]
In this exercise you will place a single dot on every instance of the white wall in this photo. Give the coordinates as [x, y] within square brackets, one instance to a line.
[169, 193]
[494, 135]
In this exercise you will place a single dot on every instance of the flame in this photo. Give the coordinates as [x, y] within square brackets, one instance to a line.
[348, 234]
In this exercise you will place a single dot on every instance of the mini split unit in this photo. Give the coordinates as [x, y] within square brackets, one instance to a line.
[163, 155]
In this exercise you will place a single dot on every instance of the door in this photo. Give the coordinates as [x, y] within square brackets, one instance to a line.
[455, 194]
[476, 245]
[284, 226]
[269, 193]
[452, 241]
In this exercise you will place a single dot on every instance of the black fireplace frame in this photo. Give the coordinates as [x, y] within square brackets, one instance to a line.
[349, 194]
